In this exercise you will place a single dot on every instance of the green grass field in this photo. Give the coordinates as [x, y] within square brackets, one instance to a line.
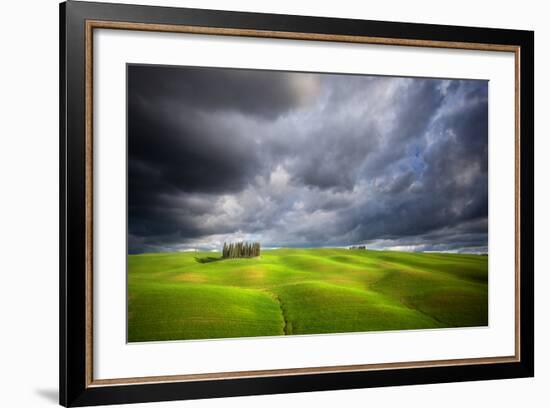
[178, 296]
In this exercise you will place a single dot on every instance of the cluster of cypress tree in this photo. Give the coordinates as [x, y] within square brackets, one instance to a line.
[241, 250]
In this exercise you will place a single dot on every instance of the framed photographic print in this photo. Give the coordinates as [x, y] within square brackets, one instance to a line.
[256, 203]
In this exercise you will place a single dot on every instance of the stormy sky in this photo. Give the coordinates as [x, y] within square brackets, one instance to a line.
[305, 160]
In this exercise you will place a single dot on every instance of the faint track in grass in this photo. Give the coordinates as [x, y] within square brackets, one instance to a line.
[287, 328]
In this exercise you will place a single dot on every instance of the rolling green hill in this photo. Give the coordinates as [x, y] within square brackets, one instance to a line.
[178, 296]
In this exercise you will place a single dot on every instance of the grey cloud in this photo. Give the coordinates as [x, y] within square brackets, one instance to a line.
[305, 160]
[253, 92]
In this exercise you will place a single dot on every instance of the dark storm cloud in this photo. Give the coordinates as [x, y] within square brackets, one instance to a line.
[249, 91]
[348, 145]
[295, 159]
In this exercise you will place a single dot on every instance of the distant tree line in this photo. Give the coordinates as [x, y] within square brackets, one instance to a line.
[358, 247]
[241, 250]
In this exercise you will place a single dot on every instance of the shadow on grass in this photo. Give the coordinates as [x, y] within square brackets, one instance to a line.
[208, 259]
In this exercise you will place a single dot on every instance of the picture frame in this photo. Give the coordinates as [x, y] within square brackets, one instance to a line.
[79, 21]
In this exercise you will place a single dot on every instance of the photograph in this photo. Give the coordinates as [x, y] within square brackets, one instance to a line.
[279, 203]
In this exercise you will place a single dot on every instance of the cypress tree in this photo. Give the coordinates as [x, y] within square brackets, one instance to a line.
[240, 249]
